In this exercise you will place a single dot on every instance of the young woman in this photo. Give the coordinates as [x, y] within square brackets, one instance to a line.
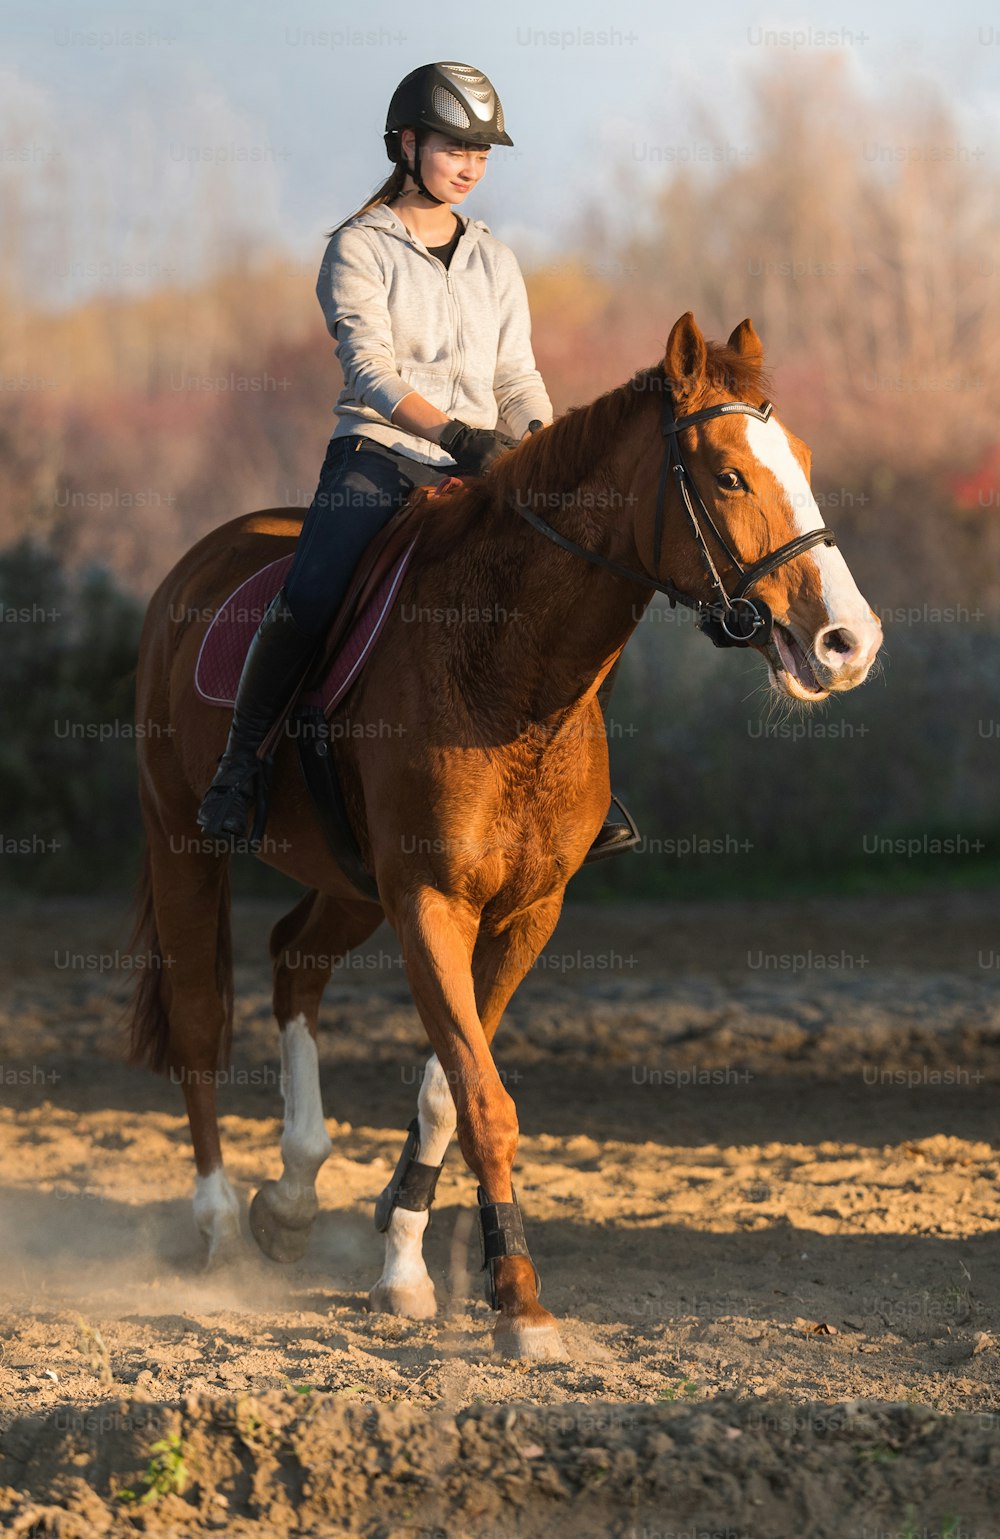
[430, 316]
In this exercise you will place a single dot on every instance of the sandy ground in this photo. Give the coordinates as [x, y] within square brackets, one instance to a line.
[760, 1183]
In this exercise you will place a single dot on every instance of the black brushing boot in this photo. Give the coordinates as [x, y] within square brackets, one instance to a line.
[612, 837]
[276, 661]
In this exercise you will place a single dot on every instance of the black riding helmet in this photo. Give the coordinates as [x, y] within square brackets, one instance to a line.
[453, 99]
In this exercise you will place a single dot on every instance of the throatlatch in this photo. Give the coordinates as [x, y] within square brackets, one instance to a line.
[412, 1185]
[501, 1234]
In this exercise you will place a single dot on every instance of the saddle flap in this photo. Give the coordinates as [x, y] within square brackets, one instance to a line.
[356, 626]
[227, 640]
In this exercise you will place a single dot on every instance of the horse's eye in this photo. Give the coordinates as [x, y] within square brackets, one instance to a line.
[731, 481]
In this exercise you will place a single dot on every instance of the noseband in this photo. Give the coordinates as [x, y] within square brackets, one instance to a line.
[728, 619]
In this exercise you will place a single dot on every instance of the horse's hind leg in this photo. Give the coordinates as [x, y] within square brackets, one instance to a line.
[182, 1017]
[305, 946]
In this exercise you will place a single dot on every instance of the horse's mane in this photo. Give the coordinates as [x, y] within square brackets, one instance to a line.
[570, 450]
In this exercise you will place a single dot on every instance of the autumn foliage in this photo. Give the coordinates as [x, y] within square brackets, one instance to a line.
[862, 238]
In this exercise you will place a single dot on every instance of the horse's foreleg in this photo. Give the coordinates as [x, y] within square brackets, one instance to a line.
[305, 945]
[499, 963]
[403, 1210]
[439, 937]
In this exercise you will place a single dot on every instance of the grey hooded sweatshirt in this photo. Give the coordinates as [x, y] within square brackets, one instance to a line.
[402, 321]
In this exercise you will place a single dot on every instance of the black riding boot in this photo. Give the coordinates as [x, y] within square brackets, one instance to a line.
[612, 837]
[275, 662]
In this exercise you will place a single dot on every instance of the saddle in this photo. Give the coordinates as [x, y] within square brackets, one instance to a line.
[227, 640]
[347, 648]
[353, 632]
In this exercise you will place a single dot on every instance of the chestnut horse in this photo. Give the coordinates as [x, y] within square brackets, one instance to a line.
[478, 806]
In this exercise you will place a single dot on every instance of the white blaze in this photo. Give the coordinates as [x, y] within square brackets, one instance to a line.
[768, 442]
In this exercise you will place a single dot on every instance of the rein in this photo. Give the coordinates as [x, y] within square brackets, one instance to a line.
[728, 619]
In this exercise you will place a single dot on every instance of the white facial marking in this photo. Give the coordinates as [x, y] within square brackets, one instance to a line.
[305, 1143]
[844, 604]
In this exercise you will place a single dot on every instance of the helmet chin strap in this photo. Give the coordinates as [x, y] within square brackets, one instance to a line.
[416, 172]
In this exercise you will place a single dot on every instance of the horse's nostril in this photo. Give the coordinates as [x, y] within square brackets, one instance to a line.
[839, 640]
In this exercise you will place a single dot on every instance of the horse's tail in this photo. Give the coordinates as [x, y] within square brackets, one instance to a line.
[224, 966]
[148, 1021]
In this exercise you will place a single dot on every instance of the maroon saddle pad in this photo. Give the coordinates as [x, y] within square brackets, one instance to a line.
[227, 640]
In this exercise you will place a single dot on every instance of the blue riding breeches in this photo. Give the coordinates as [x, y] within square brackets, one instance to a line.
[361, 486]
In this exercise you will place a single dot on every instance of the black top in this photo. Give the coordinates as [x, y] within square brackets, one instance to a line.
[445, 253]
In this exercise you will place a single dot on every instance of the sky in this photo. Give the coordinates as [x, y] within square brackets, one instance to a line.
[143, 142]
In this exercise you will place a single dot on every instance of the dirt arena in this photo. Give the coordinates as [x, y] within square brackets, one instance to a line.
[760, 1180]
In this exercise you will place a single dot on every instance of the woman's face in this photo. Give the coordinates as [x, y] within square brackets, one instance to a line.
[450, 168]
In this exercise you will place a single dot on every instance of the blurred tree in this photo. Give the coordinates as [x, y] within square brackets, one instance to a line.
[67, 747]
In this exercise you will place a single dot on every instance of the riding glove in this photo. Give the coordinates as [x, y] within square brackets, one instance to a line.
[474, 449]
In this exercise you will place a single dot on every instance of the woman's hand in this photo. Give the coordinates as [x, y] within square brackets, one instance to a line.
[474, 450]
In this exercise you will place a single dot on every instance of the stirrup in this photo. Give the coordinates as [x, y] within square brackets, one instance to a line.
[613, 838]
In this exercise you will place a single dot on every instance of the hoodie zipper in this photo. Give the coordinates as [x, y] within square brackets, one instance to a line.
[456, 314]
[459, 349]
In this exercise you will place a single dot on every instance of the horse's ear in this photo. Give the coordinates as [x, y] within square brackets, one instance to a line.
[746, 341]
[685, 358]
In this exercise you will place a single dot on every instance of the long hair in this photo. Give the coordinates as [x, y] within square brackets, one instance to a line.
[390, 188]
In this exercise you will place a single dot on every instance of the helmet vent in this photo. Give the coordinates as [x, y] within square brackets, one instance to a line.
[449, 108]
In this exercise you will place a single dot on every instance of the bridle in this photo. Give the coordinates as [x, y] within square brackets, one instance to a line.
[729, 619]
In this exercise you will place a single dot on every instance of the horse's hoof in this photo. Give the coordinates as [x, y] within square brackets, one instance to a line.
[227, 1253]
[515, 1338]
[278, 1239]
[416, 1302]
